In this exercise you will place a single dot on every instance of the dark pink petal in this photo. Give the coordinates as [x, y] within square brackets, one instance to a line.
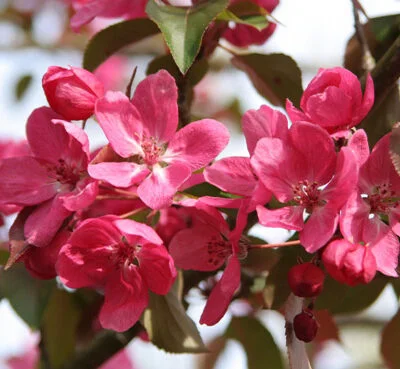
[89, 80]
[221, 295]
[264, 122]
[155, 99]
[317, 150]
[344, 181]
[85, 260]
[189, 249]
[44, 222]
[221, 202]
[288, 217]
[197, 144]
[47, 140]
[233, 174]
[120, 122]
[119, 174]
[85, 193]
[358, 142]
[157, 268]
[367, 101]
[25, 181]
[319, 228]
[133, 228]
[157, 190]
[242, 35]
[295, 114]
[125, 299]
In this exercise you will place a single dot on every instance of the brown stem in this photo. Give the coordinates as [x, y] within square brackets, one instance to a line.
[128, 91]
[102, 348]
[184, 101]
[274, 245]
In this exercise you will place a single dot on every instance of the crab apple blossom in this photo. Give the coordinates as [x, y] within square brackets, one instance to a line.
[306, 280]
[374, 202]
[53, 178]
[305, 173]
[72, 92]
[334, 101]
[242, 35]
[206, 246]
[125, 258]
[152, 154]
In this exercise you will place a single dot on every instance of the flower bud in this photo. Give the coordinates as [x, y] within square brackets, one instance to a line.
[73, 92]
[305, 326]
[306, 280]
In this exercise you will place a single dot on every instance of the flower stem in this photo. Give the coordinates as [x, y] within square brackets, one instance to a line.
[274, 245]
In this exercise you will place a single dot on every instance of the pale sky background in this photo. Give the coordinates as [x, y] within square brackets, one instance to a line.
[314, 33]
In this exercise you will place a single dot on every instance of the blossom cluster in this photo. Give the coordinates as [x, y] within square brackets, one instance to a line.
[78, 208]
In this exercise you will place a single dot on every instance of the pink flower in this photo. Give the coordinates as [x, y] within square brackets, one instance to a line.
[54, 178]
[111, 72]
[304, 172]
[373, 203]
[72, 92]
[349, 263]
[87, 10]
[334, 101]
[122, 256]
[206, 246]
[242, 35]
[143, 133]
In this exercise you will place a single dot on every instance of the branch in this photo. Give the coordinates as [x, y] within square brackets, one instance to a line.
[102, 348]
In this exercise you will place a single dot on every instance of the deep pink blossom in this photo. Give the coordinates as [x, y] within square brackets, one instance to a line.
[374, 203]
[125, 258]
[72, 92]
[242, 35]
[54, 178]
[334, 101]
[206, 246]
[87, 10]
[143, 134]
[304, 172]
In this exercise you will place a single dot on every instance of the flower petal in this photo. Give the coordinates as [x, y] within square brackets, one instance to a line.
[133, 228]
[288, 217]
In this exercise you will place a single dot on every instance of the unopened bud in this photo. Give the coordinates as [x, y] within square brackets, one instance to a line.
[305, 326]
[306, 280]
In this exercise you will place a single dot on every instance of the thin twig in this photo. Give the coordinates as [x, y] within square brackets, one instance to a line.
[128, 92]
[275, 245]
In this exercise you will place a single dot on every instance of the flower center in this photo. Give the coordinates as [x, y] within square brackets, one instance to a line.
[307, 194]
[383, 199]
[151, 151]
[218, 250]
[64, 174]
[124, 254]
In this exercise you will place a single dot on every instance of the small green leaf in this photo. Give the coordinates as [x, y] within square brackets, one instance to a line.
[22, 86]
[384, 27]
[108, 41]
[342, 299]
[257, 21]
[275, 76]
[390, 343]
[258, 343]
[168, 325]
[28, 296]
[183, 28]
[60, 322]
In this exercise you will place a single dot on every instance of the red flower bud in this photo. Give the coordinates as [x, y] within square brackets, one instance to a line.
[305, 326]
[73, 92]
[306, 280]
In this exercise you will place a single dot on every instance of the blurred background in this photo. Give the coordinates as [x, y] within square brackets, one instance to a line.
[313, 32]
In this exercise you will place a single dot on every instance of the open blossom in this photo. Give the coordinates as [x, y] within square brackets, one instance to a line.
[334, 101]
[304, 172]
[53, 178]
[206, 246]
[72, 92]
[243, 35]
[374, 201]
[125, 258]
[151, 154]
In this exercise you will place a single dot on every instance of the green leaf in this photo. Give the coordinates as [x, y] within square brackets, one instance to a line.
[183, 28]
[390, 343]
[342, 299]
[258, 343]
[384, 27]
[168, 325]
[275, 76]
[108, 41]
[22, 86]
[257, 21]
[60, 322]
[28, 296]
